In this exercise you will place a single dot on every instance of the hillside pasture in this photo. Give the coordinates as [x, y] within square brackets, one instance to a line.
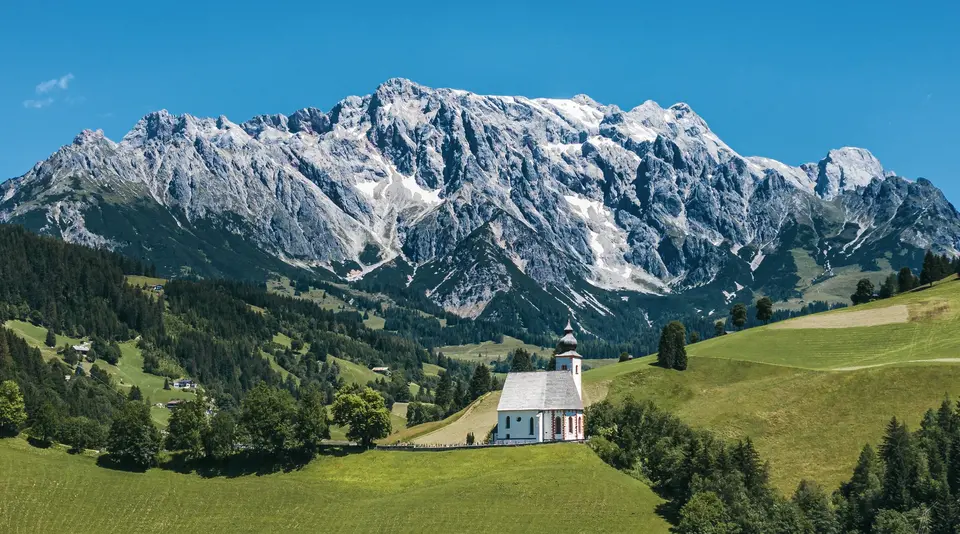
[376, 491]
[809, 393]
[488, 351]
[480, 417]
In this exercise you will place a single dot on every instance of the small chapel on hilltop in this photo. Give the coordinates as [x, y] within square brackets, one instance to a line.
[545, 405]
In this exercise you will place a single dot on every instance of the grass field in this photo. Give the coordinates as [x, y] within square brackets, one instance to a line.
[127, 373]
[324, 299]
[140, 281]
[47, 490]
[480, 417]
[489, 351]
[430, 369]
[809, 397]
[36, 335]
[354, 373]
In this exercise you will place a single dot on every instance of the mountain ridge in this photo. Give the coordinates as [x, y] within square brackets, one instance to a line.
[648, 201]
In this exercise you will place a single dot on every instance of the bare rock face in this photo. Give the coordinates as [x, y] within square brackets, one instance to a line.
[566, 194]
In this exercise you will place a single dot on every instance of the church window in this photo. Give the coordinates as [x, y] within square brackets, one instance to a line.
[576, 369]
[518, 418]
[531, 426]
[558, 426]
[508, 421]
[570, 425]
[508, 436]
[563, 367]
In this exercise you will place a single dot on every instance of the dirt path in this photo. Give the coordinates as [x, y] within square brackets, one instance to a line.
[479, 418]
[877, 317]
[934, 360]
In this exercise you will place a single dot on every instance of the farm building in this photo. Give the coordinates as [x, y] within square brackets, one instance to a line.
[83, 347]
[381, 370]
[544, 406]
[184, 383]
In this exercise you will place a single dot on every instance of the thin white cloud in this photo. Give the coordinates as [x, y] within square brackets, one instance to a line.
[37, 104]
[57, 83]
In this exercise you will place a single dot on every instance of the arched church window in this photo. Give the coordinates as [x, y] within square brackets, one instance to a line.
[570, 424]
[531, 426]
[558, 426]
[576, 369]
[508, 421]
[563, 367]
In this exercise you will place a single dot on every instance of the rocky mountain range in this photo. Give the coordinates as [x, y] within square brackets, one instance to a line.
[510, 208]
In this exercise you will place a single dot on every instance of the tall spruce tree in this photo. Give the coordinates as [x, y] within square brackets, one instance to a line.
[906, 280]
[864, 292]
[480, 382]
[672, 353]
[899, 460]
[931, 271]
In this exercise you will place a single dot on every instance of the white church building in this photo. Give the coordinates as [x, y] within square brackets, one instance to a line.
[545, 405]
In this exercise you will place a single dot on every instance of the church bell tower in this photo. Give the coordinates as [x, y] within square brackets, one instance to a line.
[567, 357]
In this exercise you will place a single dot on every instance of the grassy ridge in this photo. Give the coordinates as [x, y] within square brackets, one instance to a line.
[809, 397]
[489, 351]
[50, 491]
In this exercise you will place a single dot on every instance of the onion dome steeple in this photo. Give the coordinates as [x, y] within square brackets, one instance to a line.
[567, 343]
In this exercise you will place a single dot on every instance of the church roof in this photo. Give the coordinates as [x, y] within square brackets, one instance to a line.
[569, 354]
[550, 390]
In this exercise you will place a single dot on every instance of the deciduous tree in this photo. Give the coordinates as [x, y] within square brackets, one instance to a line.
[312, 424]
[364, 413]
[764, 309]
[219, 439]
[739, 315]
[13, 413]
[186, 429]
[133, 439]
[267, 416]
[864, 292]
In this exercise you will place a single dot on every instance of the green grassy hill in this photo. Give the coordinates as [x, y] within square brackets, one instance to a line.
[47, 490]
[127, 373]
[489, 351]
[810, 391]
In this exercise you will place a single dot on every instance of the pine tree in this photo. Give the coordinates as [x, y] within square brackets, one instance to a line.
[906, 280]
[813, 502]
[898, 457]
[930, 272]
[889, 287]
[672, 354]
[480, 382]
[764, 309]
[521, 361]
[444, 393]
[861, 494]
[719, 329]
[51, 340]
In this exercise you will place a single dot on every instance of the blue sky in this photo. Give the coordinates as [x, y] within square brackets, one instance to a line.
[788, 82]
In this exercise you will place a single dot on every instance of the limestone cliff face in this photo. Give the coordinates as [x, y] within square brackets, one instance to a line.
[562, 193]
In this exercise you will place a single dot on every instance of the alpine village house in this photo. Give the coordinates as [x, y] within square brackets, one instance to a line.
[546, 405]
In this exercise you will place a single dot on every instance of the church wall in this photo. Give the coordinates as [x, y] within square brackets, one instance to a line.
[552, 433]
[519, 430]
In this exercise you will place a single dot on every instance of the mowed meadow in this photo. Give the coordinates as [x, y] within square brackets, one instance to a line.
[48, 490]
[810, 391]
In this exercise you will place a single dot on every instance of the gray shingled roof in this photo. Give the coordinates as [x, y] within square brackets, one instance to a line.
[550, 390]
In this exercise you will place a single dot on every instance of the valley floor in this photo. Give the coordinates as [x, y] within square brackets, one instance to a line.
[553, 488]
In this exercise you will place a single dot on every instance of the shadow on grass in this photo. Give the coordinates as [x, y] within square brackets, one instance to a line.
[40, 444]
[246, 463]
[108, 461]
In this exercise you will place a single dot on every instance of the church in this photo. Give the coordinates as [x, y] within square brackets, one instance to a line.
[545, 405]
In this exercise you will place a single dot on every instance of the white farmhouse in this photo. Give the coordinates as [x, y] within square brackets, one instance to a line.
[544, 406]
